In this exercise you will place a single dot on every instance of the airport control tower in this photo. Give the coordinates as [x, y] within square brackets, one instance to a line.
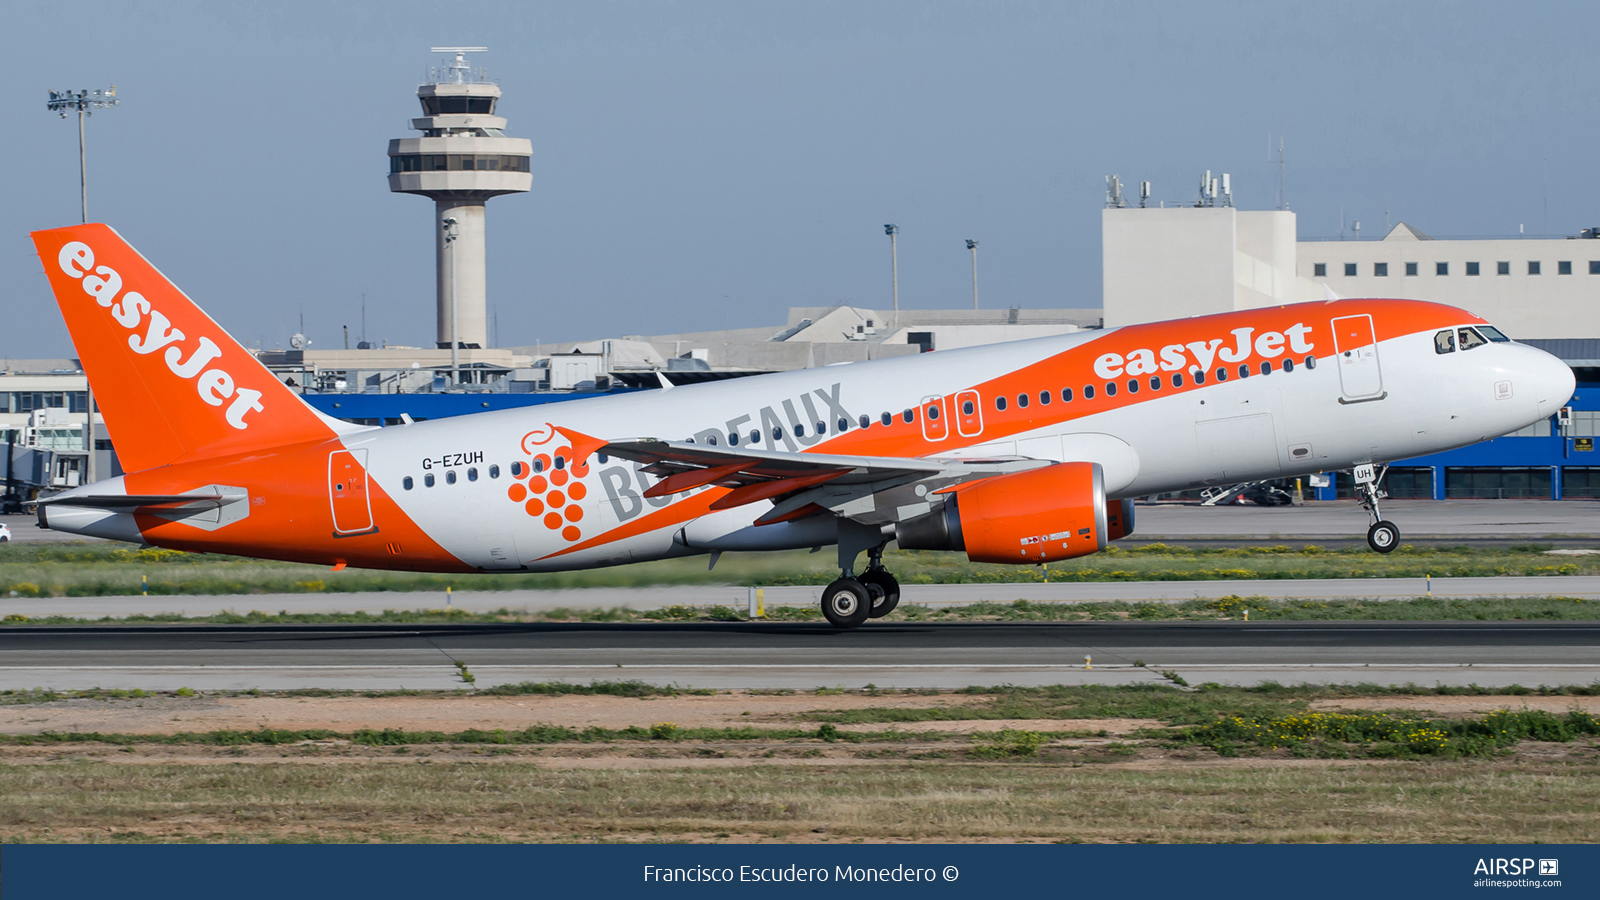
[462, 159]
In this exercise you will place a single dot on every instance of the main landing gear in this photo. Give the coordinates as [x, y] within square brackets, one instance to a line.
[853, 599]
[1383, 536]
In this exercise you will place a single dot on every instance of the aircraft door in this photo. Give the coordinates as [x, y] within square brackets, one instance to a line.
[935, 424]
[347, 491]
[969, 414]
[1356, 346]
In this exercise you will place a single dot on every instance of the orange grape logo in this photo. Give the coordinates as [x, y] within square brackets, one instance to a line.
[549, 487]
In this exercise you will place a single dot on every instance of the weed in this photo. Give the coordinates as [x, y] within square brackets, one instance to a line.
[1008, 742]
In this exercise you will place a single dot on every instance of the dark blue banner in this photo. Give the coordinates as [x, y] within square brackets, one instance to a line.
[274, 872]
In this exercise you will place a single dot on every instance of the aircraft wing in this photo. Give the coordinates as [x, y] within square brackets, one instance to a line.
[872, 489]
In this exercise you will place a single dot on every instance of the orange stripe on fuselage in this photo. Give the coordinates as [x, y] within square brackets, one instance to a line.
[1075, 369]
[291, 517]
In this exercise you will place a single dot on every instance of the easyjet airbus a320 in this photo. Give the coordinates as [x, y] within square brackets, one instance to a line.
[1023, 452]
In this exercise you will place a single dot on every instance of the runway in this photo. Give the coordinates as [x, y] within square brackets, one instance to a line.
[802, 657]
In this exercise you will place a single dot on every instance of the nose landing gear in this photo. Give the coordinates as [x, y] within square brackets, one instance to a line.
[1383, 536]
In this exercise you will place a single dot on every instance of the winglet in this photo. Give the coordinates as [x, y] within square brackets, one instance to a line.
[582, 444]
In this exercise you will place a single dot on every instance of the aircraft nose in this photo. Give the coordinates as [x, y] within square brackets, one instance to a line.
[1555, 384]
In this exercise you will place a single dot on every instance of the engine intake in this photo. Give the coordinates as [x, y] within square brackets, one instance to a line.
[1041, 515]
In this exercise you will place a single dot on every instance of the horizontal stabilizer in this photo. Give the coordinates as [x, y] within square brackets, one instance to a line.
[132, 502]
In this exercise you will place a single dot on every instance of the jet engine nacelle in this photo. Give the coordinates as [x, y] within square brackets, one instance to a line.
[1119, 519]
[1041, 515]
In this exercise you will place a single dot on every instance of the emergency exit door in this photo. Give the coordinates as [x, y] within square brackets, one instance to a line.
[969, 414]
[347, 490]
[1356, 346]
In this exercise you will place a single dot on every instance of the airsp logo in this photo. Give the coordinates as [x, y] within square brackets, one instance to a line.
[1502, 866]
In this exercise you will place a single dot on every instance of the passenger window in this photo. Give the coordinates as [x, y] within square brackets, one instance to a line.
[933, 413]
[966, 407]
[427, 480]
[887, 418]
[1066, 395]
[711, 439]
[1000, 403]
[1044, 398]
[561, 461]
[1155, 382]
[1266, 368]
[777, 434]
[450, 477]
[1222, 374]
[844, 424]
[1133, 385]
[1470, 338]
[755, 438]
[517, 469]
[1111, 389]
[1177, 379]
[1199, 376]
[472, 474]
[799, 431]
[407, 483]
[1244, 371]
[1311, 362]
[733, 439]
[1022, 401]
[1444, 342]
[1088, 392]
[909, 416]
[865, 422]
[1288, 365]
[494, 470]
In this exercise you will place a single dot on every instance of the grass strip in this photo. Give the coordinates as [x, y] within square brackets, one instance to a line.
[534, 734]
[1431, 801]
[1382, 734]
[104, 569]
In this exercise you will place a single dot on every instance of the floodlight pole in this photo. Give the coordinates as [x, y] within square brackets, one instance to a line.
[450, 235]
[82, 102]
[973, 246]
[894, 270]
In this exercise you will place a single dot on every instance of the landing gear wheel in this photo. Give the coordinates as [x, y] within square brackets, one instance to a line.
[1383, 536]
[846, 603]
[885, 591]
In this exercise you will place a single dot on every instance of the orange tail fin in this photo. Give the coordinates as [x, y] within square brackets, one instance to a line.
[169, 381]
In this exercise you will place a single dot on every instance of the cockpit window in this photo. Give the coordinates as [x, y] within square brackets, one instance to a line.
[1444, 342]
[1494, 334]
[1470, 338]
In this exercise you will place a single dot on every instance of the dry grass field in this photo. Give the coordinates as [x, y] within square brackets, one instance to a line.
[982, 765]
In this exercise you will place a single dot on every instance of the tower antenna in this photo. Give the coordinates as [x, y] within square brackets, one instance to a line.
[1282, 202]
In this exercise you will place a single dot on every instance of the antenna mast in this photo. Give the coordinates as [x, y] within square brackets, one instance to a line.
[1282, 203]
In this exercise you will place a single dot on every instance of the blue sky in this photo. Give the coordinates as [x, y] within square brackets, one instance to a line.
[707, 165]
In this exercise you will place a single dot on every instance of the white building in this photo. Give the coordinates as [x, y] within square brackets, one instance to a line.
[1176, 262]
